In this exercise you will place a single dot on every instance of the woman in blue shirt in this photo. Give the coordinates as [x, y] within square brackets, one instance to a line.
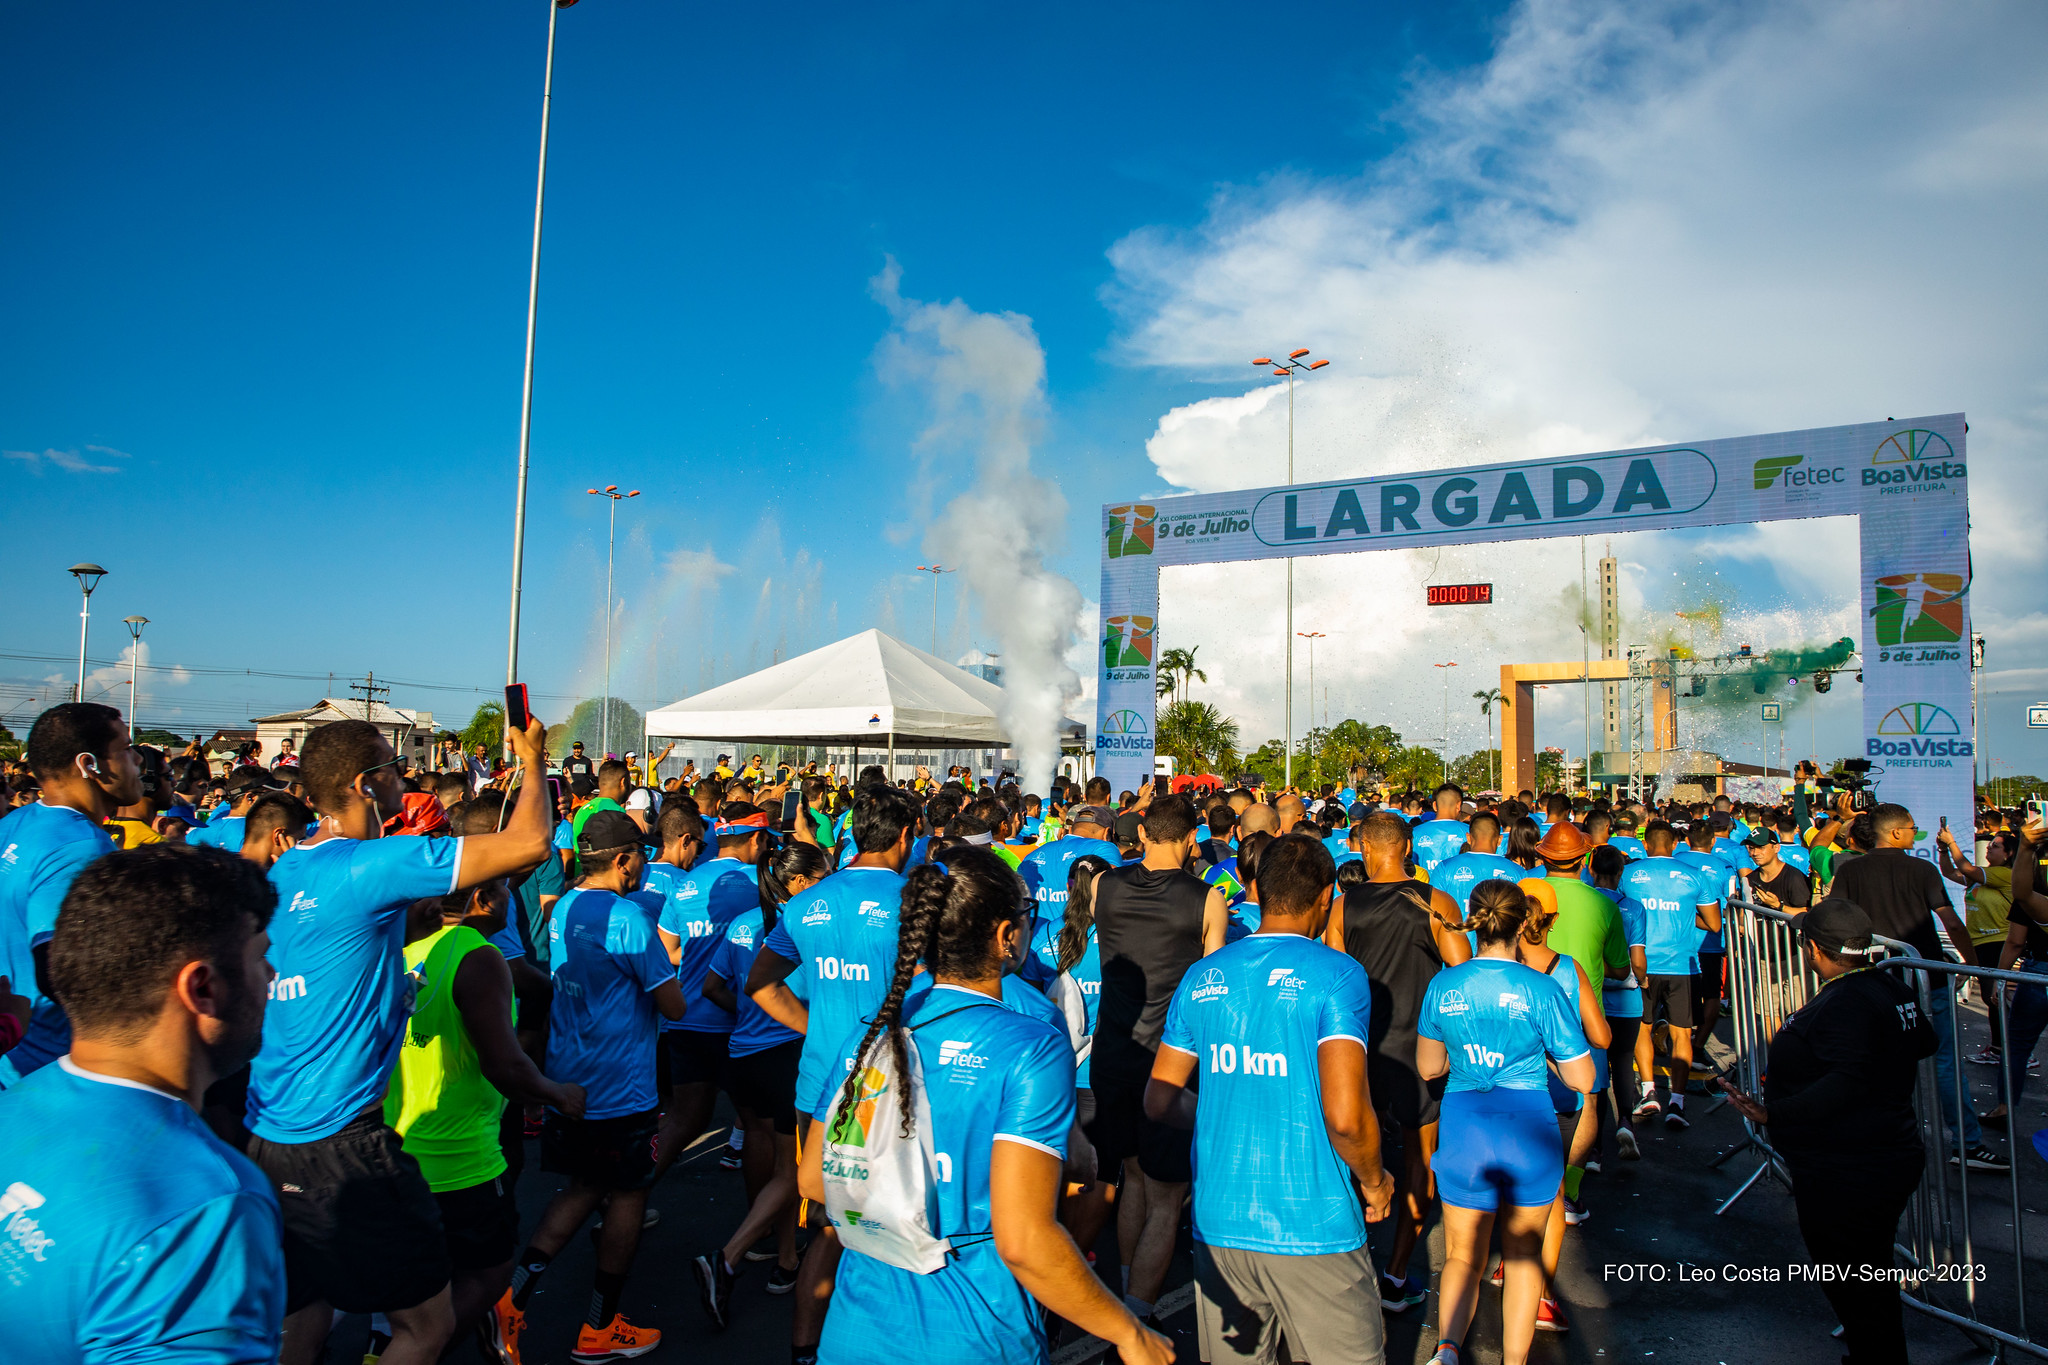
[1489, 1024]
[1000, 1091]
[1075, 964]
[760, 1074]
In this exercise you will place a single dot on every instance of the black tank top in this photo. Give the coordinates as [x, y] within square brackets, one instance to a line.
[1386, 930]
[1148, 925]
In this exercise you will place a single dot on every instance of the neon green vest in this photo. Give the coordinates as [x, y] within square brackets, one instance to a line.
[443, 1109]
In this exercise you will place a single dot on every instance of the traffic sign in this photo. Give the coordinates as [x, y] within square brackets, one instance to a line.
[1773, 711]
[2037, 717]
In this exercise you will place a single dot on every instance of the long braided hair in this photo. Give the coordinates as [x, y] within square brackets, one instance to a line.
[948, 922]
[1080, 921]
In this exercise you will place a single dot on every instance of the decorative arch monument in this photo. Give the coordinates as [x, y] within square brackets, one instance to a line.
[1905, 481]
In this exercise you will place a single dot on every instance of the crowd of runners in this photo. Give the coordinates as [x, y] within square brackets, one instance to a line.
[276, 1039]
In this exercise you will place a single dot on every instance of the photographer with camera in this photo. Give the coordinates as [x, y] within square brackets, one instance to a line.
[1904, 896]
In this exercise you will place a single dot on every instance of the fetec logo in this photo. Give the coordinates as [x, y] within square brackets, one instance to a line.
[1130, 529]
[1771, 466]
[1919, 608]
[1124, 723]
[1127, 641]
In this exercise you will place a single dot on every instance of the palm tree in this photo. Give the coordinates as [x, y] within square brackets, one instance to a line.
[1199, 737]
[1176, 670]
[1486, 701]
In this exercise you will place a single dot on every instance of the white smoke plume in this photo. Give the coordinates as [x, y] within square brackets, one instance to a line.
[983, 375]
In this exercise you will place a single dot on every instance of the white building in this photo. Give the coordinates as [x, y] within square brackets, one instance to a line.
[410, 732]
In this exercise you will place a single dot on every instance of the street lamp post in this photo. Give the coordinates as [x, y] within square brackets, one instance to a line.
[1445, 668]
[540, 190]
[135, 625]
[1315, 762]
[88, 576]
[934, 570]
[611, 493]
[1289, 368]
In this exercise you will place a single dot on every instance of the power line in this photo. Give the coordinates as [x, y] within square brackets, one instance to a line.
[199, 670]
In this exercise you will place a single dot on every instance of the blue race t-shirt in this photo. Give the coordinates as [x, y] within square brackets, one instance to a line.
[844, 928]
[1630, 846]
[1253, 1015]
[1719, 873]
[991, 1075]
[129, 1232]
[1797, 855]
[1045, 871]
[698, 906]
[1456, 877]
[756, 1030]
[338, 1007]
[1670, 893]
[223, 832]
[1497, 1019]
[1041, 969]
[42, 848]
[603, 1026]
[1616, 1000]
[1733, 854]
[1437, 840]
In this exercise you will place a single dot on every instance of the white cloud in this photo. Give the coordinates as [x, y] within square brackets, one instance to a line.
[70, 461]
[1633, 223]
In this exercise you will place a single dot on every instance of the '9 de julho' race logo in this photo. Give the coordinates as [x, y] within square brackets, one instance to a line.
[1130, 529]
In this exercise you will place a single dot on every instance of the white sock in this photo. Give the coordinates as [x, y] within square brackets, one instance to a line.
[1677, 1099]
[1138, 1305]
[737, 1139]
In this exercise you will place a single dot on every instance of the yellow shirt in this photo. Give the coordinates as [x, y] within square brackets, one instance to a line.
[132, 834]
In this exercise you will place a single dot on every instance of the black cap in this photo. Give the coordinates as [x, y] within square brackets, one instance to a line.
[608, 829]
[248, 777]
[1840, 927]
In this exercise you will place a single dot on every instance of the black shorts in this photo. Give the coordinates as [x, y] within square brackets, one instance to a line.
[1397, 1090]
[1121, 1131]
[764, 1083]
[693, 1057]
[362, 1231]
[605, 1154]
[481, 1224]
[1674, 993]
[1706, 986]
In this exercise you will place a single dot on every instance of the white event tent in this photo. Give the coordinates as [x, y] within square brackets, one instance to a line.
[867, 691]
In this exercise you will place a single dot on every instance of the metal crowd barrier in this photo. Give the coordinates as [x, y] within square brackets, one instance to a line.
[1768, 979]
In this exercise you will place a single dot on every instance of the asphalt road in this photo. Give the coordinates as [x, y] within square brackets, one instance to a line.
[1656, 1213]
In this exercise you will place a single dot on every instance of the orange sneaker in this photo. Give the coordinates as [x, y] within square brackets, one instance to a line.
[616, 1340]
[501, 1329]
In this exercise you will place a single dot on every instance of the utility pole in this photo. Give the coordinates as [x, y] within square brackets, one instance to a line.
[368, 687]
[1287, 368]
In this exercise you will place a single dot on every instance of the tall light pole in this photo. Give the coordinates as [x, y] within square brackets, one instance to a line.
[1315, 762]
[934, 570]
[610, 492]
[135, 625]
[88, 576]
[1289, 369]
[540, 190]
[1445, 669]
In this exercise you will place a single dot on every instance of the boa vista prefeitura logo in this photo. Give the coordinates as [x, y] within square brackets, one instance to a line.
[1130, 529]
[1127, 644]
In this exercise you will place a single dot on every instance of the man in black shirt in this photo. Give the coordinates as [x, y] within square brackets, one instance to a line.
[1838, 1102]
[1773, 882]
[1153, 920]
[1904, 896]
[577, 764]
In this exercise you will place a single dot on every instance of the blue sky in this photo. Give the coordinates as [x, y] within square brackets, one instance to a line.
[266, 275]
